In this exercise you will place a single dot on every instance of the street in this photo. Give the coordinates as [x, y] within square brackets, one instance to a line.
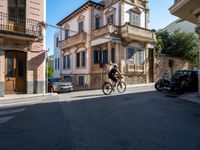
[140, 119]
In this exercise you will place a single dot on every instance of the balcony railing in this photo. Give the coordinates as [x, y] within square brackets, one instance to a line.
[108, 29]
[137, 33]
[19, 26]
[73, 40]
[134, 68]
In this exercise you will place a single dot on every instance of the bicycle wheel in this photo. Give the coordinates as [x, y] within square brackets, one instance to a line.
[107, 88]
[121, 87]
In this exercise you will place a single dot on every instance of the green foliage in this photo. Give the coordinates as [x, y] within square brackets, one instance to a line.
[50, 68]
[178, 44]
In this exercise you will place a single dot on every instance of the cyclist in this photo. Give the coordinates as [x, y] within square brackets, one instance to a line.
[113, 74]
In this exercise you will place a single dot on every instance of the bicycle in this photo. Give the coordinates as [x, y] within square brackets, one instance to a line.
[108, 88]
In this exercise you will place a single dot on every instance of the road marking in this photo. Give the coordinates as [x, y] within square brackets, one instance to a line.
[6, 112]
[5, 119]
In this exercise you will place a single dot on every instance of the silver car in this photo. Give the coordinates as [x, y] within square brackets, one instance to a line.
[58, 85]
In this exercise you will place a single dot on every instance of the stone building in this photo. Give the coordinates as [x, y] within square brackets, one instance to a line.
[22, 46]
[109, 32]
[189, 10]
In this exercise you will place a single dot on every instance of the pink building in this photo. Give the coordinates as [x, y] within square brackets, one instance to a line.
[22, 46]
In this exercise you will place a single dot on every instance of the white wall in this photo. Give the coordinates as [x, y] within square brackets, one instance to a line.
[56, 55]
[116, 6]
[127, 7]
[73, 25]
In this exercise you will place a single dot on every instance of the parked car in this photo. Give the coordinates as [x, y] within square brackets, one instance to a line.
[187, 79]
[58, 85]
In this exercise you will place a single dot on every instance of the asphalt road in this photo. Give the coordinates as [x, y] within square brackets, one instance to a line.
[141, 119]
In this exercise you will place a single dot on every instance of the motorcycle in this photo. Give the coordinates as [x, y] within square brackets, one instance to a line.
[164, 83]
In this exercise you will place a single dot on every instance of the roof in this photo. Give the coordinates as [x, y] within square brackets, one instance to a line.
[78, 10]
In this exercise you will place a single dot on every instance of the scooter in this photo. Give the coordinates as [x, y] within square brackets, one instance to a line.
[164, 83]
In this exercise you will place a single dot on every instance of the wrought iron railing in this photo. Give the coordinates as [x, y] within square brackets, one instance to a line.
[19, 26]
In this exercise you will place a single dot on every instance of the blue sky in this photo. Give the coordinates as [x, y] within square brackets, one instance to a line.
[57, 10]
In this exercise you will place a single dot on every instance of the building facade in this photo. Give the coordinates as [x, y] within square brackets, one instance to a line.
[189, 10]
[22, 46]
[110, 32]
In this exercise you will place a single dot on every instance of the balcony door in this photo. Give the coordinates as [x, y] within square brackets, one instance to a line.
[15, 68]
[16, 15]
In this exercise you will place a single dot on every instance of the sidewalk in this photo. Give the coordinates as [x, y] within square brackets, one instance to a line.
[192, 97]
[14, 98]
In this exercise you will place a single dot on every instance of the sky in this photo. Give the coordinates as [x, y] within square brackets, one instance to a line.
[160, 16]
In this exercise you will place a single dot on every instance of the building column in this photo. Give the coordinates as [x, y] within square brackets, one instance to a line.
[2, 72]
[198, 32]
[109, 52]
[146, 62]
[117, 51]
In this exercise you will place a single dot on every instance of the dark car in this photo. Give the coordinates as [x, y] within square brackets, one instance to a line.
[187, 79]
[58, 85]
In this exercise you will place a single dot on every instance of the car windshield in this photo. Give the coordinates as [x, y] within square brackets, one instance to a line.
[53, 80]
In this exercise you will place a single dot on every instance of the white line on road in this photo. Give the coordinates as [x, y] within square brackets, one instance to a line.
[6, 112]
[5, 119]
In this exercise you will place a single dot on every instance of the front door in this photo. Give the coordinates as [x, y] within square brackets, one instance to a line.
[15, 67]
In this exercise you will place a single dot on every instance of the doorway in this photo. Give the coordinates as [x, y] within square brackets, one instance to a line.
[15, 72]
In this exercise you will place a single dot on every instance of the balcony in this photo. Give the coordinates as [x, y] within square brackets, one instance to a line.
[130, 32]
[134, 68]
[73, 41]
[105, 30]
[186, 9]
[19, 27]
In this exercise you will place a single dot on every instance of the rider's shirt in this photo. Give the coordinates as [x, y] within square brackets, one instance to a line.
[112, 72]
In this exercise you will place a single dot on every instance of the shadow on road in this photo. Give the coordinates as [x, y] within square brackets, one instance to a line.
[136, 121]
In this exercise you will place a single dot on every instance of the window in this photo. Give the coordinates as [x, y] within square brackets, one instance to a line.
[131, 55]
[16, 8]
[113, 55]
[110, 19]
[68, 78]
[97, 56]
[97, 22]
[135, 19]
[64, 62]
[100, 56]
[83, 59]
[77, 60]
[66, 33]
[57, 40]
[81, 80]
[80, 26]
[105, 56]
[130, 52]
[140, 57]
[68, 61]
[58, 63]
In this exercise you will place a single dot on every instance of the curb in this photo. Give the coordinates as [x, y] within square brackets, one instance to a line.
[14, 97]
[140, 85]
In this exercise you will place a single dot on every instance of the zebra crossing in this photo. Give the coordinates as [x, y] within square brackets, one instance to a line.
[8, 114]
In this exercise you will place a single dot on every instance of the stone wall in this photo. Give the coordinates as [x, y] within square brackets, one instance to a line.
[162, 64]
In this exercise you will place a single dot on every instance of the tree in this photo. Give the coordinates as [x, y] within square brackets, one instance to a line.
[179, 44]
[50, 68]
